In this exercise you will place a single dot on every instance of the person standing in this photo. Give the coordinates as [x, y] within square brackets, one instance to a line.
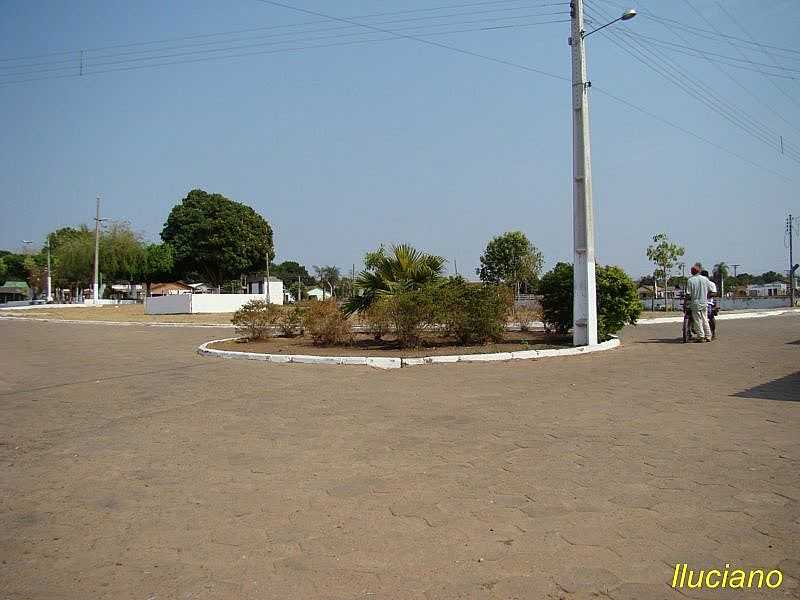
[697, 289]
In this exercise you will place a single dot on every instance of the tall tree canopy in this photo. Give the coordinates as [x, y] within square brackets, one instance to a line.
[288, 272]
[157, 264]
[510, 258]
[216, 238]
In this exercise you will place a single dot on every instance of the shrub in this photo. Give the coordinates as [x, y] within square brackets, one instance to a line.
[617, 301]
[524, 315]
[473, 314]
[378, 319]
[409, 312]
[255, 319]
[326, 324]
[291, 321]
[556, 289]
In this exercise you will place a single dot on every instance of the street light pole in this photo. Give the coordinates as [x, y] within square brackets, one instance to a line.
[584, 325]
[584, 332]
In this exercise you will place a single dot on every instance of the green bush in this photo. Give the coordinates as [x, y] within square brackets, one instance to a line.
[556, 290]
[409, 312]
[617, 301]
[291, 321]
[327, 324]
[255, 319]
[473, 314]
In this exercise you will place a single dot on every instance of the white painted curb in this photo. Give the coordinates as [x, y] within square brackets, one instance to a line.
[381, 362]
[724, 316]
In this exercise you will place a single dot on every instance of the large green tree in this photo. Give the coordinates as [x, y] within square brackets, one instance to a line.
[157, 264]
[511, 259]
[216, 238]
[3, 270]
[664, 254]
[402, 269]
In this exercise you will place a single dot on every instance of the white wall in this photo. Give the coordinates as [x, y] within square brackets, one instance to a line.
[172, 304]
[201, 303]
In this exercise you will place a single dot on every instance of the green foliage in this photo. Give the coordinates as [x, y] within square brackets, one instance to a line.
[326, 324]
[617, 301]
[65, 234]
[473, 314]
[217, 238]
[290, 321]
[255, 319]
[288, 272]
[557, 300]
[3, 270]
[158, 264]
[122, 253]
[511, 259]
[402, 269]
[664, 254]
[409, 311]
[15, 267]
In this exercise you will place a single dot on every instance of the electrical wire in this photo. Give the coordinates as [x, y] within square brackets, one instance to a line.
[138, 66]
[85, 64]
[237, 32]
[675, 74]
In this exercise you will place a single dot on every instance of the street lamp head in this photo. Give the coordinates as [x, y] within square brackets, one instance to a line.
[628, 14]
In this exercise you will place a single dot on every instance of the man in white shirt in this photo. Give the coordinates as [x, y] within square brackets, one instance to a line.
[697, 288]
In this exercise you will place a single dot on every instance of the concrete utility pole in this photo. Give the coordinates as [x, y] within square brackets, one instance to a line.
[49, 279]
[584, 291]
[269, 300]
[95, 284]
[584, 326]
[790, 231]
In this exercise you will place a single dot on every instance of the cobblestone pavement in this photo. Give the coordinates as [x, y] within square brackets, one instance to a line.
[132, 468]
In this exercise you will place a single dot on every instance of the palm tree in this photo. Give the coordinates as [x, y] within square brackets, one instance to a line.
[402, 269]
[719, 274]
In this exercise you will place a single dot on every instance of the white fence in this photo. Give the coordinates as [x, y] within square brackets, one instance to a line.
[175, 304]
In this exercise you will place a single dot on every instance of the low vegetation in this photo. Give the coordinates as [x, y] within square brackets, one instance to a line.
[256, 319]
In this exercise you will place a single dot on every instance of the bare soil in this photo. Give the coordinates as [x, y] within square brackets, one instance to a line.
[366, 345]
[123, 313]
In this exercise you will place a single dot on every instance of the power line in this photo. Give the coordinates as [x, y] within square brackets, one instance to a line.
[699, 90]
[459, 50]
[143, 63]
[536, 4]
[208, 51]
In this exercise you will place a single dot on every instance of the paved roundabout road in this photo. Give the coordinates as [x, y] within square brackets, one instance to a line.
[134, 468]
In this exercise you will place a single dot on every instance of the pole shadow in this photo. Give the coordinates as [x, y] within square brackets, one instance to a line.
[786, 389]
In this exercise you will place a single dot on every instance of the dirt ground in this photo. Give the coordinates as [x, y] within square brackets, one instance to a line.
[132, 468]
[366, 345]
[123, 313]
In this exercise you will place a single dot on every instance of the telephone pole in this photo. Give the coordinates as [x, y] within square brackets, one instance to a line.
[95, 284]
[584, 326]
[584, 332]
[790, 231]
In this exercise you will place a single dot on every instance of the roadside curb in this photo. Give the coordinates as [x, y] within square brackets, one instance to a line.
[724, 316]
[381, 362]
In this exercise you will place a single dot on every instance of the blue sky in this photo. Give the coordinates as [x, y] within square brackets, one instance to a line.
[347, 146]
